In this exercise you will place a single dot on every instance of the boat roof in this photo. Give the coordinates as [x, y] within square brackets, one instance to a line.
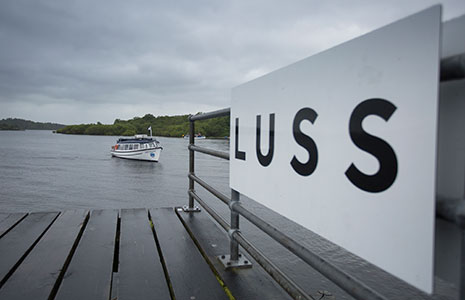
[136, 139]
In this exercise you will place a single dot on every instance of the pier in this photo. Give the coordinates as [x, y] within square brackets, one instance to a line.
[308, 244]
[158, 253]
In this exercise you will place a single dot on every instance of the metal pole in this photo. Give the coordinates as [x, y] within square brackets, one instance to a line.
[234, 246]
[190, 207]
[191, 162]
[234, 259]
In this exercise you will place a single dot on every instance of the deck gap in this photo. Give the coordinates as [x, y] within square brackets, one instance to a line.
[13, 269]
[57, 284]
[162, 259]
[114, 273]
[205, 257]
[14, 225]
[116, 252]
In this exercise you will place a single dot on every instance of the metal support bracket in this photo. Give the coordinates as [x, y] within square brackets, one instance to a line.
[186, 208]
[242, 263]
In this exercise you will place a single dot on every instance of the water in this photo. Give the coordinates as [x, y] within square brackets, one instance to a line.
[42, 171]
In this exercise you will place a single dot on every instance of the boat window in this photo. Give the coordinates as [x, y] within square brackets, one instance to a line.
[130, 146]
[152, 145]
[136, 146]
[125, 147]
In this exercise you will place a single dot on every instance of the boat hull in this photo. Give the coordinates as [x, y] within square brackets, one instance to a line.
[146, 154]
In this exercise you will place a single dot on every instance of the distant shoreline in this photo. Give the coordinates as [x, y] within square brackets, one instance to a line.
[21, 124]
[163, 126]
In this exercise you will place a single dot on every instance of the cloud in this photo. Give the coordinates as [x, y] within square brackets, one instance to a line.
[86, 61]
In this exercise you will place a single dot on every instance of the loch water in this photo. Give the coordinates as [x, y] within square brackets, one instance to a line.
[43, 171]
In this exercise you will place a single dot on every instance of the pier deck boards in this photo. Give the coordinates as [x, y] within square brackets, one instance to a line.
[127, 254]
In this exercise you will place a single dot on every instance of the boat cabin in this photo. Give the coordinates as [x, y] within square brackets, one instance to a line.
[128, 144]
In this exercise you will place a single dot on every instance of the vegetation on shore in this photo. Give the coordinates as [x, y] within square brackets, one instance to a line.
[21, 124]
[170, 126]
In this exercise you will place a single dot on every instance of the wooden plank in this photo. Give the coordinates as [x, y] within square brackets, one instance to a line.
[140, 271]
[37, 274]
[245, 284]
[190, 275]
[9, 220]
[19, 241]
[90, 270]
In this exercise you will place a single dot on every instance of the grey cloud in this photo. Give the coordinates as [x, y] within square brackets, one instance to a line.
[166, 57]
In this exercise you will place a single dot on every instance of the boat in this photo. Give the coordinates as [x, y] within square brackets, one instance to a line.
[197, 136]
[138, 147]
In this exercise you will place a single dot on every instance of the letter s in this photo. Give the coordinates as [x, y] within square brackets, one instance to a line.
[380, 149]
[305, 169]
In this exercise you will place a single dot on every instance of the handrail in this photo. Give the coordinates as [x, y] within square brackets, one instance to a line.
[209, 188]
[212, 152]
[347, 282]
[210, 115]
[452, 68]
[341, 278]
[294, 290]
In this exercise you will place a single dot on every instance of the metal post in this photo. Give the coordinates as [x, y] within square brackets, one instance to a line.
[235, 259]
[234, 246]
[191, 207]
[191, 162]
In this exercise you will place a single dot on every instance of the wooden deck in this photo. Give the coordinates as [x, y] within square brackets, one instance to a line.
[128, 254]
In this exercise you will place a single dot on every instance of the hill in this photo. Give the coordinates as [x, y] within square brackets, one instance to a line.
[21, 124]
[170, 126]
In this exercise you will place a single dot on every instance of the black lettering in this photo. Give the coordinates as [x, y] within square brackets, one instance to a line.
[265, 160]
[239, 154]
[383, 152]
[305, 169]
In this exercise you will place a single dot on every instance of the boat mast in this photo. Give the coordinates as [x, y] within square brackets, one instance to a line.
[150, 129]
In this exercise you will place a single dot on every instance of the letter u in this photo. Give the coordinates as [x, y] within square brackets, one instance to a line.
[265, 160]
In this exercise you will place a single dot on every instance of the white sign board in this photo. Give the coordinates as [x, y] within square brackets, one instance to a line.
[351, 153]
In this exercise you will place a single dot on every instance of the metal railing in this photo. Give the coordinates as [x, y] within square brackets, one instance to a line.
[452, 68]
[349, 283]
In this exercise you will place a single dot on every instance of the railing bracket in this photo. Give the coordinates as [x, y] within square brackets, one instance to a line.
[241, 263]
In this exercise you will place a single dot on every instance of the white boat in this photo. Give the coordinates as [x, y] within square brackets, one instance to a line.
[138, 147]
[197, 137]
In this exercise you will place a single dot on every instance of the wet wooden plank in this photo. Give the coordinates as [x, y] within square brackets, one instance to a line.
[37, 274]
[9, 220]
[244, 284]
[190, 275]
[140, 271]
[90, 270]
[17, 243]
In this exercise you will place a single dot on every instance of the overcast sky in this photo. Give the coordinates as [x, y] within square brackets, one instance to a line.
[82, 61]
